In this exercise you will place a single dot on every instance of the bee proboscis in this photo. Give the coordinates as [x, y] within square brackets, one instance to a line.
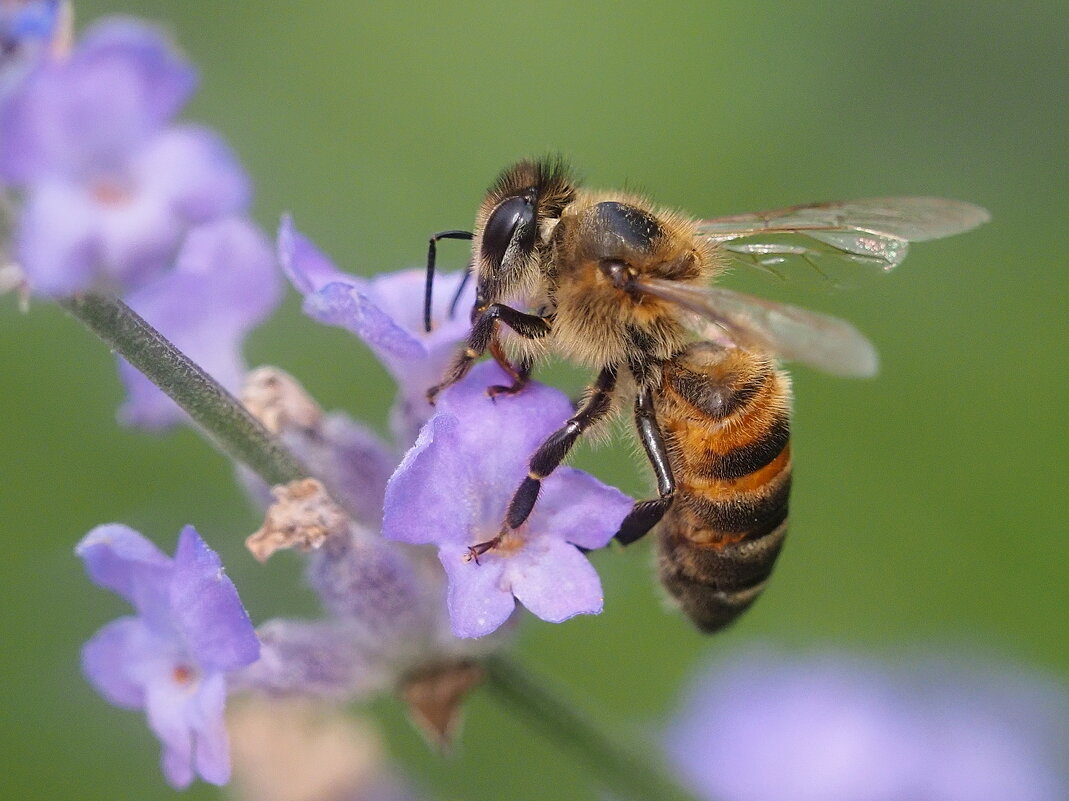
[614, 283]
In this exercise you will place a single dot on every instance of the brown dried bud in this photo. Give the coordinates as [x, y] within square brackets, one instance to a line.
[277, 400]
[302, 516]
[434, 696]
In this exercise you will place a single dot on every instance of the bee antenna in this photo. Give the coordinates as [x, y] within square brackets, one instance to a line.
[460, 288]
[432, 251]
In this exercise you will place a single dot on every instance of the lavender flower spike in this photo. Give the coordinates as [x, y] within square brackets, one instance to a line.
[173, 658]
[452, 490]
[766, 726]
[386, 312]
[109, 185]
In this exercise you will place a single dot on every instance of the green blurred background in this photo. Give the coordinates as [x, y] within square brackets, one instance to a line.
[930, 503]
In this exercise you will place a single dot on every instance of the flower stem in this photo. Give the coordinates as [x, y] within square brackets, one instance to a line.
[227, 423]
[628, 772]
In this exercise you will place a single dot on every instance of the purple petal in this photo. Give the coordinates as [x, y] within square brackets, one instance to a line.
[28, 19]
[105, 659]
[500, 435]
[401, 296]
[341, 304]
[194, 170]
[307, 267]
[207, 610]
[554, 580]
[479, 598]
[121, 560]
[118, 88]
[224, 283]
[846, 727]
[166, 709]
[422, 504]
[211, 751]
[56, 239]
[578, 508]
[27, 28]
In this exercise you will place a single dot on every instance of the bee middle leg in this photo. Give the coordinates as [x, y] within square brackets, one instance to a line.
[553, 450]
[644, 515]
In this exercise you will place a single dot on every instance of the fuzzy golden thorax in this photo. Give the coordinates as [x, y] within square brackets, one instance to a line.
[597, 321]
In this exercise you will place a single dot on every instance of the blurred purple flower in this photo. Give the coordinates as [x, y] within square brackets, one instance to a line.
[28, 29]
[171, 660]
[222, 285]
[765, 726]
[387, 313]
[109, 190]
[452, 490]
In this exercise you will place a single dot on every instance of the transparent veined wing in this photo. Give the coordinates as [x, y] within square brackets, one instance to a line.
[871, 231]
[790, 332]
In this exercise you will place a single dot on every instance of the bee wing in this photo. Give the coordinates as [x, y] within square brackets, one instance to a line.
[872, 231]
[793, 333]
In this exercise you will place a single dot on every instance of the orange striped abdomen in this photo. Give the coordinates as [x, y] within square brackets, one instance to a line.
[725, 415]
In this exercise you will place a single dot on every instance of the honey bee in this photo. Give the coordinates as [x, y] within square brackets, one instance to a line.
[614, 283]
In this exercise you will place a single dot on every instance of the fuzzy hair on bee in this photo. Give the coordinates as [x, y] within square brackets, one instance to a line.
[609, 281]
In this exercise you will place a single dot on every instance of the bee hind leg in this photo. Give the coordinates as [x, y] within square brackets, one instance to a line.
[644, 515]
[552, 452]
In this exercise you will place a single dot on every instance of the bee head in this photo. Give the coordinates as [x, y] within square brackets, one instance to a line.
[510, 227]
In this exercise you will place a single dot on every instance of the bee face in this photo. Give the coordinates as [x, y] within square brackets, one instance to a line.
[513, 225]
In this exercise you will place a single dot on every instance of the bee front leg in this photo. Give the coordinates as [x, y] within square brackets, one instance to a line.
[530, 326]
[520, 373]
[644, 515]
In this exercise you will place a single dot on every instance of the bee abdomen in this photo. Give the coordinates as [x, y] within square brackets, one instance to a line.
[726, 418]
[714, 585]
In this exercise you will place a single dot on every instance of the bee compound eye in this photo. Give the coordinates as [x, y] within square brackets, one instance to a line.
[511, 217]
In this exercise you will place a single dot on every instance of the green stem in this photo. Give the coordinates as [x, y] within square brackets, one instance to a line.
[227, 423]
[629, 772]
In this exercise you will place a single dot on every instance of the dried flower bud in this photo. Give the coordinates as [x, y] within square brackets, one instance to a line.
[277, 400]
[303, 516]
[434, 696]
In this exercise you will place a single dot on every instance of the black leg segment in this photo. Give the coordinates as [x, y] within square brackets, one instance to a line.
[644, 515]
[432, 251]
[530, 326]
[552, 452]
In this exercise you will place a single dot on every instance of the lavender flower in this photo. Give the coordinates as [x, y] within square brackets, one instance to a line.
[387, 313]
[222, 285]
[765, 726]
[172, 660]
[28, 30]
[109, 189]
[454, 485]
[385, 601]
